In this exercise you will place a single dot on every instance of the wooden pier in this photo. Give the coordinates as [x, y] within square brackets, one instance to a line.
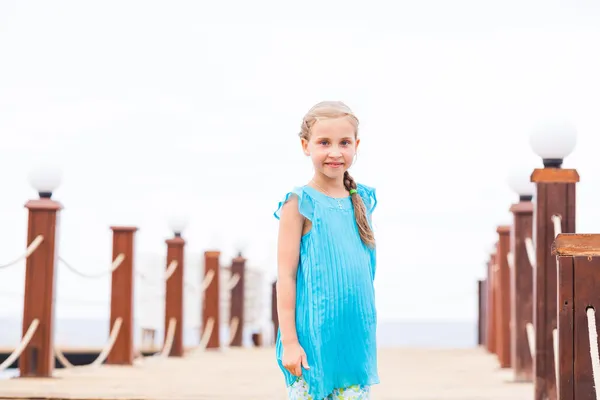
[252, 374]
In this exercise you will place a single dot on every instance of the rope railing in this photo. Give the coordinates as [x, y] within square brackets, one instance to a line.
[530, 251]
[114, 334]
[171, 269]
[233, 281]
[115, 264]
[556, 220]
[22, 346]
[29, 251]
[233, 327]
[531, 338]
[169, 339]
[594, 356]
[208, 280]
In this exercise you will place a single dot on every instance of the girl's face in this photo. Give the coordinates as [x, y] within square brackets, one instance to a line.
[332, 146]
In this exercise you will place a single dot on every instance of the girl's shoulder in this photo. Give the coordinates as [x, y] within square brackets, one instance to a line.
[305, 202]
[368, 195]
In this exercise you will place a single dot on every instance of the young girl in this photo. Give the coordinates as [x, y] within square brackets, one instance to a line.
[326, 265]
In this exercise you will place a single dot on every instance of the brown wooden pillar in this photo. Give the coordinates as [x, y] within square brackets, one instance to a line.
[210, 306]
[174, 293]
[503, 272]
[578, 259]
[481, 317]
[274, 314]
[555, 188]
[121, 298]
[521, 290]
[238, 268]
[37, 360]
[490, 337]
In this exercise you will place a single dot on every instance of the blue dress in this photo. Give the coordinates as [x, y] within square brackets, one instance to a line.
[335, 300]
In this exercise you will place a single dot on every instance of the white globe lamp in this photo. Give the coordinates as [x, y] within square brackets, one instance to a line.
[178, 223]
[240, 246]
[520, 183]
[553, 141]
[45, 179]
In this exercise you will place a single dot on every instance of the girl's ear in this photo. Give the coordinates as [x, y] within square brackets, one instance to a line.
[305, 149]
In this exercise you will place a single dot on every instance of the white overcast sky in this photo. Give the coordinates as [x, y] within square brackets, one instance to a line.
[159, 107]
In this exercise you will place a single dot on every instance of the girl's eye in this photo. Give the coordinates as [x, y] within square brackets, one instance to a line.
[346, 143]
[323, 142]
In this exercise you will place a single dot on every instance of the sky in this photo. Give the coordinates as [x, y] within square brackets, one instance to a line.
[154, 109]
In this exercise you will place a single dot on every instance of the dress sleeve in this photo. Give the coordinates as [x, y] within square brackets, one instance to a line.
[305, 203]
[369, 196]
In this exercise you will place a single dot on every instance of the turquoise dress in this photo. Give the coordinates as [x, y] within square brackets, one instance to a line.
[335, 300]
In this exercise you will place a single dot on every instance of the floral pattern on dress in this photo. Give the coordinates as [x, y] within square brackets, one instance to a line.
[299, 391]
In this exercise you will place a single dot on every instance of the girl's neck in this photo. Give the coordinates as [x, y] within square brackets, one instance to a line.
[333, 186]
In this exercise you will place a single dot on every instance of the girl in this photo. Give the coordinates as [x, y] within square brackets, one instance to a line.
[326, 265]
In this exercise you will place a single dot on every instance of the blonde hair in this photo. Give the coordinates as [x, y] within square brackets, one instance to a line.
[337, 109]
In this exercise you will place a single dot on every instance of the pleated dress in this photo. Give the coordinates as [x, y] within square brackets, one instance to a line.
[336, 316]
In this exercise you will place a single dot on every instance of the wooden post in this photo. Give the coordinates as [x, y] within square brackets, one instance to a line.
[210, 306]
[496, 295]
[481, 316]
[490, 308]
[578, 259]
[121, 297]
[503, 296]
[174, 293]
[521, 290]
[274, 314]
[37, 360]
[238, 268]
[555, 188]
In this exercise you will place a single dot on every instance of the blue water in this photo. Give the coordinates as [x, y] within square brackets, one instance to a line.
[94, 333]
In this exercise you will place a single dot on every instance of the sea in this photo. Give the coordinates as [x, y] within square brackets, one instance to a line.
[83, 332]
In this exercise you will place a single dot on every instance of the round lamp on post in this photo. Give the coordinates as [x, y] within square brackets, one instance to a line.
[553, 141]
[45, 180]
[178, 224]
[520, 183]
[240, 246]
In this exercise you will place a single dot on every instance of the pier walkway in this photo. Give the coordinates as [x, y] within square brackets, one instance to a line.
[406, 373]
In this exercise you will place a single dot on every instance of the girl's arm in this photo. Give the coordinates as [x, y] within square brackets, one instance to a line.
[288, 249]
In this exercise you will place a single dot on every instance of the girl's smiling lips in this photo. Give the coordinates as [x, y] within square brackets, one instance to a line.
[334, 164]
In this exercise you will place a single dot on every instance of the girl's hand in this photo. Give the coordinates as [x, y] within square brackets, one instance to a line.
[294, 358]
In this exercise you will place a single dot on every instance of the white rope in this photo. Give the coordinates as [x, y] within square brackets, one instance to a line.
[210, 324]
[29, 251]
[115, 264]
[556, 219]
[114, 334]
[511, 260]
[22, 346]
[208, 278]
[530, 251]
[235, 279]
[531, 338]
[171, 269]
[166, 350]
[233, 327]
[555, 345]
[593, 335]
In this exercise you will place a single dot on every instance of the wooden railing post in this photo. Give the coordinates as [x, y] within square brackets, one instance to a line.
[174, 293]
[578, 259]
[210, 306]
[481, 312]
[521, 289]
[238, 268]
[121, 297]
[555, 195]
[490, 308]
[37, 360]
[503, 296]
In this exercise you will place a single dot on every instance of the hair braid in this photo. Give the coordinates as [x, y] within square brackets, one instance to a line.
[360, 212]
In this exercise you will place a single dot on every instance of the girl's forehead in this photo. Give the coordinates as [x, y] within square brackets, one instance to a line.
[333, 126]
